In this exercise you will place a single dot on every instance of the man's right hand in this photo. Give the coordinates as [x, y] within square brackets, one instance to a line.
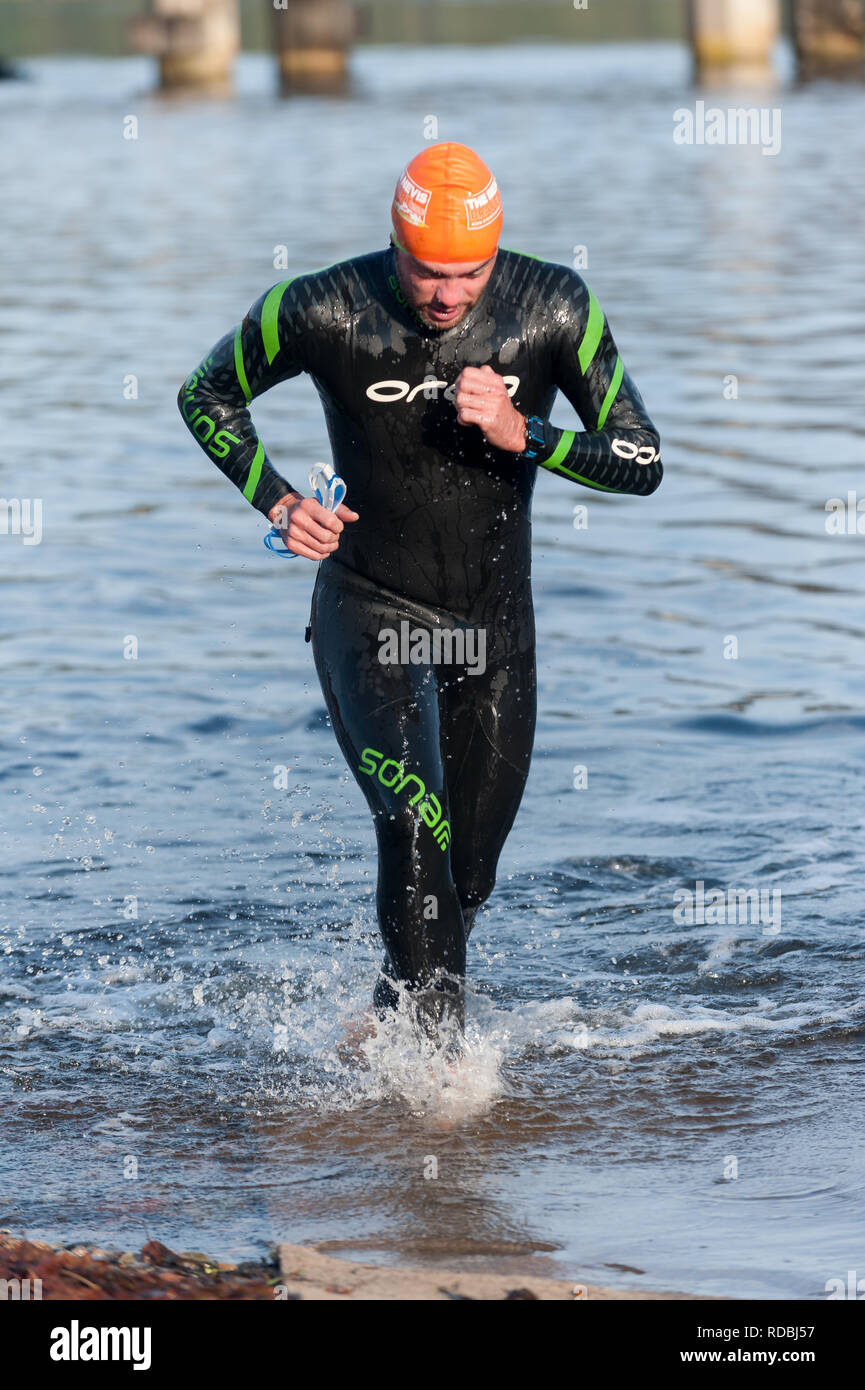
[308, 528]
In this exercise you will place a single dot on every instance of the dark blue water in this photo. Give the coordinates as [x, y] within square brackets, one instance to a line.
[183, 942]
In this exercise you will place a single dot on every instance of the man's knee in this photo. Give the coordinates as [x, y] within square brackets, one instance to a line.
[397, 821]
[474, 886]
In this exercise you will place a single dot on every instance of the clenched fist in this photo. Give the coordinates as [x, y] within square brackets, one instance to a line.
[481, 398]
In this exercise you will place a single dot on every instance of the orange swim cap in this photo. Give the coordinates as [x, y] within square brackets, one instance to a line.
[447, 206]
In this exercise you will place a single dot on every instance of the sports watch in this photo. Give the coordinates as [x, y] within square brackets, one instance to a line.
[535, 437]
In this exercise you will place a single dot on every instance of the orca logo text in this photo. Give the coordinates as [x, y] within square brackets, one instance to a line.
[389, 392]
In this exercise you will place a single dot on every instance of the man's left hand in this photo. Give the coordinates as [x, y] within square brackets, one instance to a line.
[481, 398]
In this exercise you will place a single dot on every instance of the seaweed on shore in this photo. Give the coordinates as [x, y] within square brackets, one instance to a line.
[155, 1272]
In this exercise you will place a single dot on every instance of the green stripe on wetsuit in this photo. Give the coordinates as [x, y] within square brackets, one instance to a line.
[592, 336]
[254, 473]
[270, 315]
[586, 355]
[561, 451]
[270, 320]
[238, 364]
[270, 341]
[618, 373]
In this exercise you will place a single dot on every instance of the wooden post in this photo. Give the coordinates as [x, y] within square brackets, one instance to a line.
[312, 39]
[829, 37]
[733, 39]
[196, 42]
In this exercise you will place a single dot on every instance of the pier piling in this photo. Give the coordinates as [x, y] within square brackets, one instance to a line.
[829, 37]
[732, 40]
[312, 40]
[195, 41]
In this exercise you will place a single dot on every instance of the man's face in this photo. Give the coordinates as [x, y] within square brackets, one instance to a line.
[442, 293]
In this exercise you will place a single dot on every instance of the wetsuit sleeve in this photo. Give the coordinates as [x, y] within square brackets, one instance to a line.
[620, 449]
[266, 348]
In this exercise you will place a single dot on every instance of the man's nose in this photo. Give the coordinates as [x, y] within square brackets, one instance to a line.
[448, 293]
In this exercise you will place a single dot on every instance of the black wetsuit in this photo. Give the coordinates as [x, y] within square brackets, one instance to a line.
[441, 749]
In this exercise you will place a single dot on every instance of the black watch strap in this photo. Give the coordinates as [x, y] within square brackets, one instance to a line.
[535, 437]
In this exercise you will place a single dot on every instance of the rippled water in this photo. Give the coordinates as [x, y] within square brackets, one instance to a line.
[184, 944]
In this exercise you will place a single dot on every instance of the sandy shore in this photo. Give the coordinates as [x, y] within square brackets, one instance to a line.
[85, 1272]
[309, 1273]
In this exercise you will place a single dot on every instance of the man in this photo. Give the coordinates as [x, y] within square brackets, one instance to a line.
[437, 361]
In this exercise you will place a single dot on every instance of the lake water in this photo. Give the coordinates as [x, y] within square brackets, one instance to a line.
[651, 1102]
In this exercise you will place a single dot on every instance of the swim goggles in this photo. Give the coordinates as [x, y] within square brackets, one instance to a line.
[330, 490]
